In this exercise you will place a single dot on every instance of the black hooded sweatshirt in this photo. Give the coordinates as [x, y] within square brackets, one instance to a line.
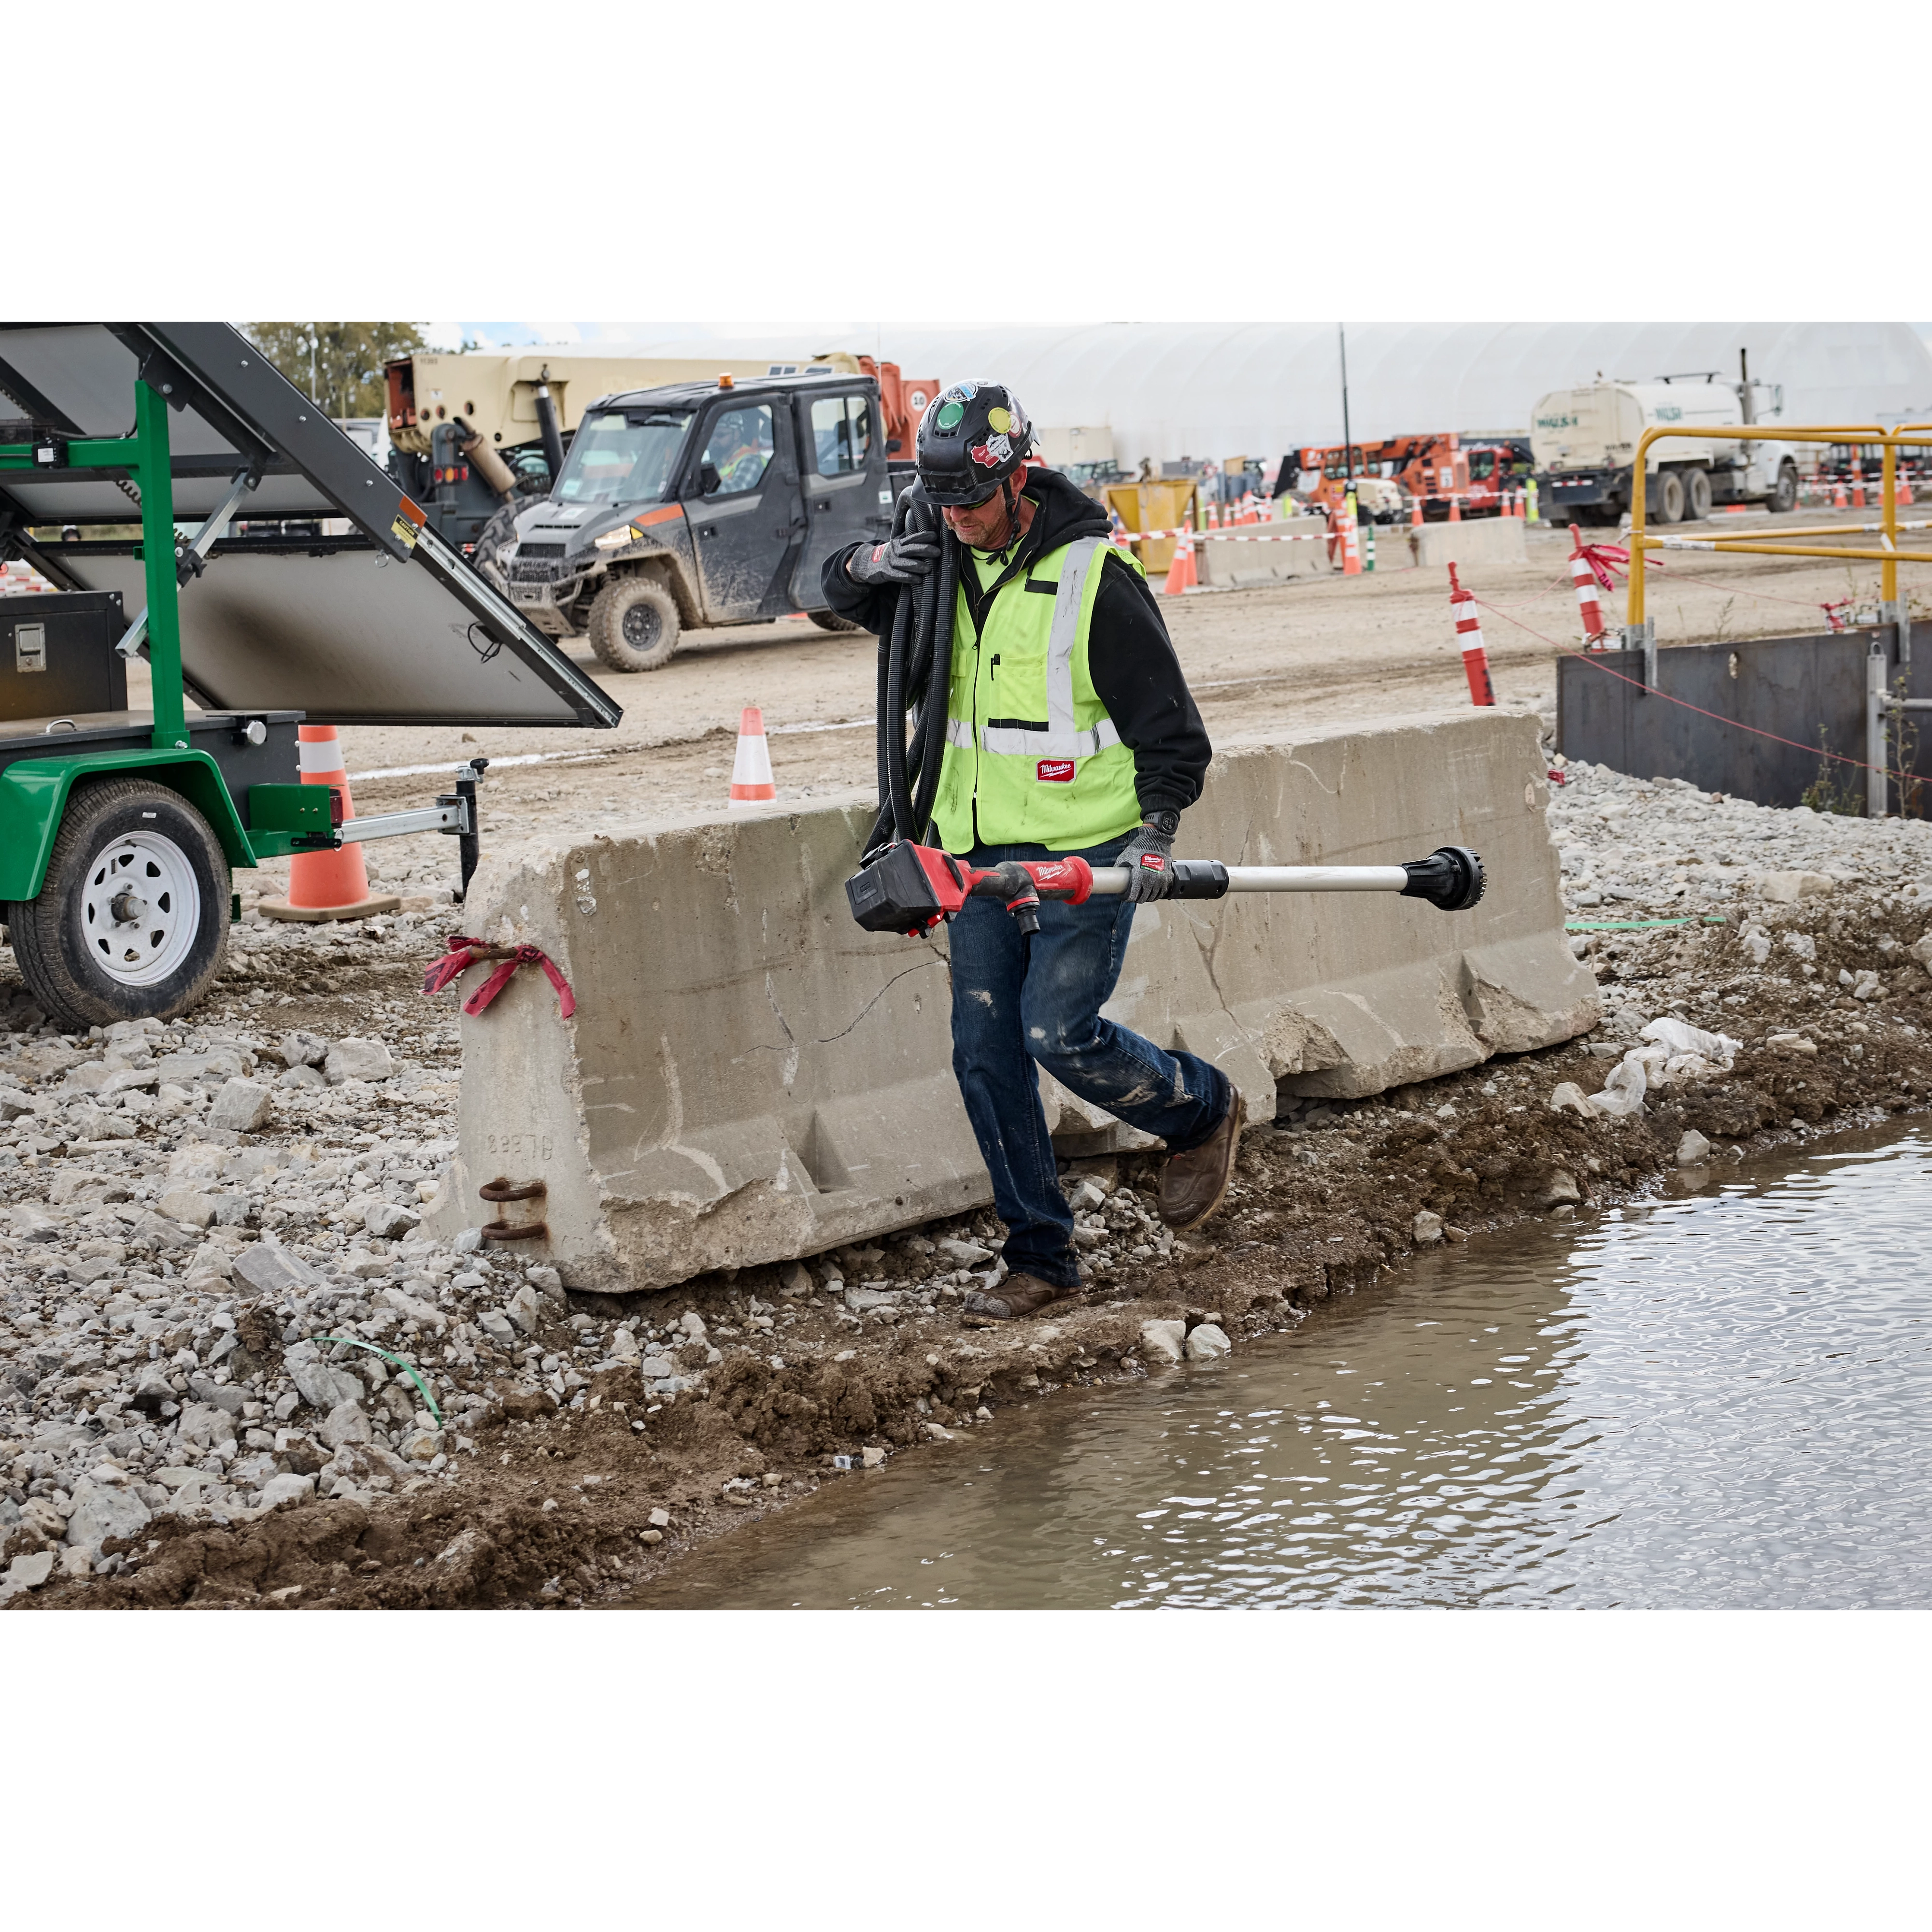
[1130, 658]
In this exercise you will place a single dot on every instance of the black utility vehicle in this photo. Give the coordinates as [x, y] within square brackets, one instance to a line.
[698, 504]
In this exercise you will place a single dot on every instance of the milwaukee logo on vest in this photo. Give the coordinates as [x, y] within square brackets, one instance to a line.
[1054, 771]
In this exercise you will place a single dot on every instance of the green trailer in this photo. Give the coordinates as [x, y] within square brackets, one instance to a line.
[279, 577]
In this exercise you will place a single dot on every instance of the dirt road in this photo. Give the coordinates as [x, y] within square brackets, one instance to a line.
[1262, 662]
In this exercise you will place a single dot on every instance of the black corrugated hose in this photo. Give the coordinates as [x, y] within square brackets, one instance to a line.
[915, 674]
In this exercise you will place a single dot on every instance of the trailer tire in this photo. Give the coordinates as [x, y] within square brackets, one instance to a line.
[634, 624]
[1697, 495]
[148, 842]
[830, 620]
[1784, 499]
[1666, 498]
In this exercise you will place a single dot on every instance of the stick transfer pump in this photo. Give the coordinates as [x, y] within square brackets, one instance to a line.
[905, 885]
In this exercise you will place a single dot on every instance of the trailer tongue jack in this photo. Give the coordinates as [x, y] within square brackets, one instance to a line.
[910, 889]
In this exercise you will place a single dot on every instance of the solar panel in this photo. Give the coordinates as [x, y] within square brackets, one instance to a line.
[386, 625]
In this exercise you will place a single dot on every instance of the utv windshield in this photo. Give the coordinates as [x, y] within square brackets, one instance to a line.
[621, 456]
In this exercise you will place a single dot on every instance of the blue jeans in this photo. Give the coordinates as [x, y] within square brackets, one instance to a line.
[1017, 1001]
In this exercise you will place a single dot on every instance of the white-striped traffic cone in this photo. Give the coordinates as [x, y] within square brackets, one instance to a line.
[752, 782]
[1352, 546]
[1469, 639]
[1585, 579]
[327, 885]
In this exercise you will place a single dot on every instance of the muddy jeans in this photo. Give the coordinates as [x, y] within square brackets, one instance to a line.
[1017, 1001]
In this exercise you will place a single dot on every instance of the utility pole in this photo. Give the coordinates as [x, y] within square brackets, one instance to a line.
[1348, 443]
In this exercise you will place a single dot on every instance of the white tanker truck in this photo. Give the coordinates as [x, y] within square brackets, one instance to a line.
[1584, 443]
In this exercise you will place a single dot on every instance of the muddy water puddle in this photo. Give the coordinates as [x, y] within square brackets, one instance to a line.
[1720, 1400]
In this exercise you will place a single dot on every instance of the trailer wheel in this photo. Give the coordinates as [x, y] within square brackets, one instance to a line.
[1784, 498]
[830, 620]
[1697, 495]
[132, 920]
[634, 624]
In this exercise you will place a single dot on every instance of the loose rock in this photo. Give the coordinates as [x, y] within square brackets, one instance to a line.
[1207, 1343]
[1163, 1341]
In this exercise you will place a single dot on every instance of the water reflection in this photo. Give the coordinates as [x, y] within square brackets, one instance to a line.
[1715, 1401]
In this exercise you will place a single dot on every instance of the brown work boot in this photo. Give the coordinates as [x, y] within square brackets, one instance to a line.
[1194, 1184]
[1017, 1295]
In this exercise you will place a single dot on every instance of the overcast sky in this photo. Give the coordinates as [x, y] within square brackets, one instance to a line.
[846, 334]
[519, 334]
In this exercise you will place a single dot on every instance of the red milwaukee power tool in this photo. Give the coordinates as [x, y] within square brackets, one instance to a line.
[910, 888]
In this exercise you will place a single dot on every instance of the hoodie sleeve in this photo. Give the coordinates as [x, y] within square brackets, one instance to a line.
[869, 606]
[1137, 677]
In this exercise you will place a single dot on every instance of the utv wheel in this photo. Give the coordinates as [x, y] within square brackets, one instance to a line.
[1784, 498]
[634, 624]
[132, 920]
[830, 620]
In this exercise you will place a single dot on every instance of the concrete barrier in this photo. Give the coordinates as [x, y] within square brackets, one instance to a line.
[1478, 540]
[749, 1077]
[1223, 562]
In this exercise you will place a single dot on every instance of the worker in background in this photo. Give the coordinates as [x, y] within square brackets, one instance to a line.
[1070, 729]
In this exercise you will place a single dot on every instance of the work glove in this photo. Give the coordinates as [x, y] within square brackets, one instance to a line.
[907, 557]
[1148, 856]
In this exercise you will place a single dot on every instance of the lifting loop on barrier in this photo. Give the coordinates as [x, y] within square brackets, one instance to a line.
[463, 953]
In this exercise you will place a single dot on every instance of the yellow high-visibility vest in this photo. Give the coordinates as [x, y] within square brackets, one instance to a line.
[1032, 757]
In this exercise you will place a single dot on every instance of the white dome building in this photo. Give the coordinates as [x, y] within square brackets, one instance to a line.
[1259, 389]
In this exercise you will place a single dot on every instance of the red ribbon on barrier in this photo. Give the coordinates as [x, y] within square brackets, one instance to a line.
[465, 952]
[1602, 558]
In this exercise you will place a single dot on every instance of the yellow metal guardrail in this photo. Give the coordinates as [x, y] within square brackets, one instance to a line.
[1888, 555]
[1883, 707]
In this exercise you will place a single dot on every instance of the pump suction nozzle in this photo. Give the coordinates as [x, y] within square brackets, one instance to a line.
[1451, 877]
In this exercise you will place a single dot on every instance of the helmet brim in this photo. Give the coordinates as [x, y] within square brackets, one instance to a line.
[953, 493]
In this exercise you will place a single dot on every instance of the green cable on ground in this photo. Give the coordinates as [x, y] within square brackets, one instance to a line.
[355, 1342]
[1632, 925]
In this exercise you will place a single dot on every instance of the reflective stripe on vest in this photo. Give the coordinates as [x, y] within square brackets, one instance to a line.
[1062, 738]
[1014, 741]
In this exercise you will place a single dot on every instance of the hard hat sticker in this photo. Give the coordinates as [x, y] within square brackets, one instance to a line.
[994, 450]
[949, 414]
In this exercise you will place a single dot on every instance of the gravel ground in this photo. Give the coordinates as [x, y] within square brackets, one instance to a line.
[192, 1212]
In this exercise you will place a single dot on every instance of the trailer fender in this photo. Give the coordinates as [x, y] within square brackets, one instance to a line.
[34, 793]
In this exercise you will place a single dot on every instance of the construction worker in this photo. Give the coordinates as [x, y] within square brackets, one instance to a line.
[1070, 729]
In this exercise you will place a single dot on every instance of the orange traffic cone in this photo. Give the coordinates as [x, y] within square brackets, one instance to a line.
[751, 768]
[1857, 487]
[327, 885]
[1352, 546]
[1415, 511]
[1469, 641]
[1180, 573]
[1455, 507]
